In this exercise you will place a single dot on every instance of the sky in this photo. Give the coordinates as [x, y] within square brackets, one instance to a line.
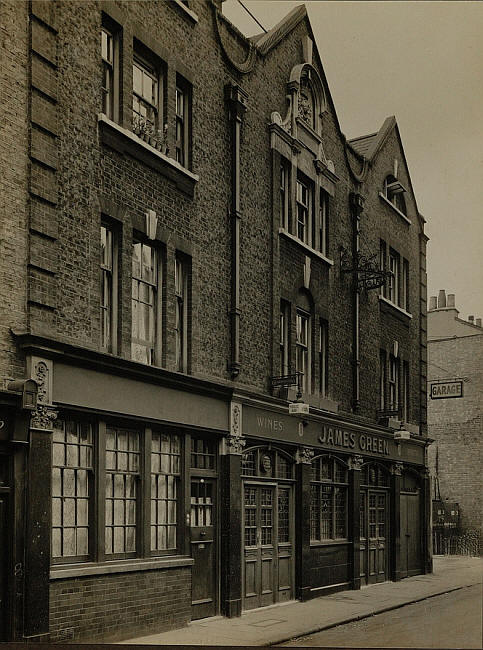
[422, 62]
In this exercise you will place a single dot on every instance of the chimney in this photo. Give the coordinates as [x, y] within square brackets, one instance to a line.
[478, 322]
[441, 299]
[450, 300]
[471, 319]
[432, 303]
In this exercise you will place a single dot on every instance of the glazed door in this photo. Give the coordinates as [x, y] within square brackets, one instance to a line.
[410, 535]
[374, 546]
[203, 547]
[259, 540]
[284, 544]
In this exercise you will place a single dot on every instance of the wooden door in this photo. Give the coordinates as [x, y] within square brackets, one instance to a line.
[4, 546]
[203, 548]
[410, 535]
[374, 546]
[285, 550]
[259, 546]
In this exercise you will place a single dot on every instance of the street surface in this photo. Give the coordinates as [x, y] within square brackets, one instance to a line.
[453, 620]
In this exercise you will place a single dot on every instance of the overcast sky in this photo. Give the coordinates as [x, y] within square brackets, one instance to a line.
[423, 63]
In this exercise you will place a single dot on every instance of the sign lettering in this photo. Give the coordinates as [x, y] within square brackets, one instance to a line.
[442, 390]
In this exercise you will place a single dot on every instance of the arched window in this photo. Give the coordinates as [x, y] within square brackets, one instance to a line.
[374, 475]
[267, 463]
[307, 103]
[328, 499]
[394, 192]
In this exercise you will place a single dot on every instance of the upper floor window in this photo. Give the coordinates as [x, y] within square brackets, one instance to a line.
[382, 379]
[393, 383]
[323, 358]
[183, 101]
[108, 288]
[324, 222]
[394, 192]
[145, 306]
[284, 337]
[405, 392]
[145, 98]
[396, 286]
[394, 279]
[328, 499]
[304, 212]
[307, 102]
[181, 324]
[107, 49]
[302, 357]
[284, 194]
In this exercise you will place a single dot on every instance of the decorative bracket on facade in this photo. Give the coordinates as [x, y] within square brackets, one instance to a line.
[304, 455]
[235, 445]
[356, 463]
[43, 418]
[369, 275]
[397, 469]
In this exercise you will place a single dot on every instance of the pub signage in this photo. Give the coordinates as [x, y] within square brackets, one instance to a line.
[445, 389]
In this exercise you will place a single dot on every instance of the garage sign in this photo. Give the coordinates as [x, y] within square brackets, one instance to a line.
[443, 390]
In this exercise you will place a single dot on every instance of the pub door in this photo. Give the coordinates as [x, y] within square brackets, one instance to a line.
[411, 554]
[268, 545]
[203, 548]
[374, 543]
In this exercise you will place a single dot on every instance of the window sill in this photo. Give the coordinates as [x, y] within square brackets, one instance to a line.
[186, 10]
[398, 310]
[396, 210]
[60, 571]
[306, 247]
[126, 141]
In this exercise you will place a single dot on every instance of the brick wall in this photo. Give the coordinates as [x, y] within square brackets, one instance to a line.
[456, 425]
[116, 606]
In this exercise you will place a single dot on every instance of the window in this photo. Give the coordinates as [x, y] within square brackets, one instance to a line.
[183, 103]
[307, 102]
[394, 279]
[107, 50]
[382, 379]
[404, 303]
[393, 383]
[383, 266]
[302, 357]
[324, 222]
[181, 291]
[284, 337]
[203, 453]
[284, 194]
[304, 212]
[394, 192]
[405, 395]
[323, 358]
[108, 288]
[145, 98]
[328, 499]
[72, 485]
[144, 302]
[165, 477]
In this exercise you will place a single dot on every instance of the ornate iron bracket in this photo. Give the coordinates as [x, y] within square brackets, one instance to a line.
[369, 275]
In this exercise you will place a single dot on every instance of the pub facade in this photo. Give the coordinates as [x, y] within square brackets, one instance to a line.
[214, 367]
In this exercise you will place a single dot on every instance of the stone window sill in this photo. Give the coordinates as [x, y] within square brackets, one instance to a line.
[306, 247]
[398, 310]
[386, 200]
[117, 566]
[187, 12]
[126, 141]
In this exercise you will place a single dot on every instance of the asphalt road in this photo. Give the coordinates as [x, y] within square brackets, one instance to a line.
[453, 620]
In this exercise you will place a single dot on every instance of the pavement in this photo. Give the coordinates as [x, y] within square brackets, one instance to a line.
[280, 623]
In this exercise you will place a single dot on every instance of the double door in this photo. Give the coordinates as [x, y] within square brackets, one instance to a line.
[268, 544]
[374, 524]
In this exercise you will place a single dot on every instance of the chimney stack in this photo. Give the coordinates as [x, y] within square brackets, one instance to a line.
[478, 322]
[432, 303]
[441, 299]
[471, 319]
[450, 300]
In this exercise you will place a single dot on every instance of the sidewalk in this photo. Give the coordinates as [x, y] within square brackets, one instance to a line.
[279, 623]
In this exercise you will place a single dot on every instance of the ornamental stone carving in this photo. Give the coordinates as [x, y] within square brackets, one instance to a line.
[397, 469]
[41, 371]
[43, 417]
[236, 419]
[356, 462]
[304, 455]
[235, 445]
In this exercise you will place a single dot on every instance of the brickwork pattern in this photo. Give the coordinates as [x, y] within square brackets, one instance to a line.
[111, 607]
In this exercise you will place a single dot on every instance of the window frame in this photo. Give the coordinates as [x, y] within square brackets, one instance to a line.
[109, 274]
[324, 204]
[304, 349]
[323, 357]
[183, 120]
[405, 391]
[383, 266]
[393, 383]
[316, 487]
[284, 193]
[395, 279]
[149, 64]
[157, 287]
[181, 329]
[284, 338]
[382, 379]
[305, 208]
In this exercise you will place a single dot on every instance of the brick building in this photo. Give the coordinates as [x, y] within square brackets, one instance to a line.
[455, 383]
[212, 340]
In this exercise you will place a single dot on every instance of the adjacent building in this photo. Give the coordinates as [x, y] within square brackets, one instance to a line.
[213, 326]
[455, 387]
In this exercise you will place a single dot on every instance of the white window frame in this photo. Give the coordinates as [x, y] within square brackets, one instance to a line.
[304, 199]
[109, 288]
[323, 357]
[181, 323]
[393, 382]
[150, 104]
[323, 222]
[303, 356]
[394, 279]
[284, 193]
[152, 344]
[284, 337]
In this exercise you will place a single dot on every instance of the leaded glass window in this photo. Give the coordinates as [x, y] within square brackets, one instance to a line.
[328, 503]
[165, 472]
[144, 302]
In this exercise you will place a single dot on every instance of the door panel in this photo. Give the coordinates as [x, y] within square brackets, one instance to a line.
[4, 544]
[410, 535]
[373, 531]
[203, 548]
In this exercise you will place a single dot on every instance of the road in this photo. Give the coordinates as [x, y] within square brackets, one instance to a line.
[453, 620]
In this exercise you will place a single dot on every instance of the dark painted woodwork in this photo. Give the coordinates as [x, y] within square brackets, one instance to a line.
[354, 527]
[203, 551]
[302, 531]
[395, 518]
[330, 565]
[375, 544]
[427, 537]
[37, 542]
[411, 555]
[19, 457]
[231, 544]
[4, 564]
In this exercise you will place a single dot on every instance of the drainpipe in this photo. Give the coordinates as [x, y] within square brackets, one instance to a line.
[236, 100]
[357, 206]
